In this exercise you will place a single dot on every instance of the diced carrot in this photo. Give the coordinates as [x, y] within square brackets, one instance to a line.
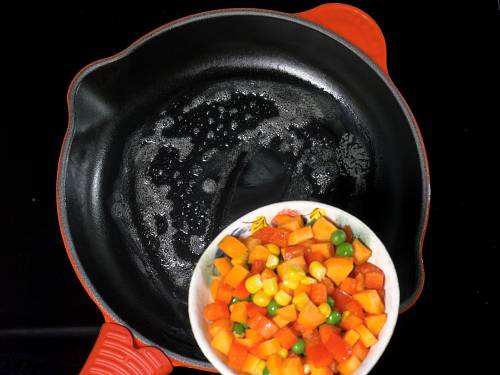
[329, 285]
[265, 327]
[294, 223]
[258, 253]
[354, 307]
[338, 268]
[299, 329]
[311, 337]
[268, 347]
[236, 275]
[366, 267]
[323, 229]
[214, 286]
[232, 246]
[361, 252]
[281, 219]
[250, 242]
[350, 321]
[318, 293]
[375, 323]
[286, 337]
[241, 291]
[257, 266]
[374, 280]
[224, 293]
[222, 341]
[325, 330]
[349, 366]
[276, 236]
[318, 354]
[299, 261]
[371, 301]
[325, 248]
[341, 299]
[348, 285]
[339, 348]
[254, 350]
[216, 326]
[274, 364]
[288, 312]
[300, 235]
[290, 252]
[223, 265]
[310, 316]
[321, 370]
[215, 311]
[366, 336]
[359, 350]
[253, 309]
[280, 321]
[239, 313]
[314, 256]
[251, 363]
[360, 282]
[237, 355]
[292, 366]
[268, 274]
[254, 336]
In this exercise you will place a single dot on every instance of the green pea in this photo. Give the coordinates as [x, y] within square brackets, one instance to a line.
[345, 250]
[266, 371]
[239, 328]
[234, 300]
[334, 318]
[330, 301]
[273, 307]
[338, 237]
[299, 347]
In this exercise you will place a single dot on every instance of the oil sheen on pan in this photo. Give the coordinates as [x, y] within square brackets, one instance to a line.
[218, 150]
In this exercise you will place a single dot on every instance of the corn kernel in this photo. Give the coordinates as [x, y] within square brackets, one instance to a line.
[317, 270]
[294, 273]
[270, 286]
[272, 261]
[261, 299]
[283, 353]
[253, 284]
[307, 368]
[308, 281]
[282, 297]
[300, 300]
[259, 368]
[273, 249]
[291, 284]
[325, 309]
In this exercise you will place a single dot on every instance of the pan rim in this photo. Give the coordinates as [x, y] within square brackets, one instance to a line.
[72, 124]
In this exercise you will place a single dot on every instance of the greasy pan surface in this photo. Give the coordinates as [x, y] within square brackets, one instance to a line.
[214, 116]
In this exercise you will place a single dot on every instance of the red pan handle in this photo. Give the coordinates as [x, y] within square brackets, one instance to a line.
[115, 353]
[353, 25]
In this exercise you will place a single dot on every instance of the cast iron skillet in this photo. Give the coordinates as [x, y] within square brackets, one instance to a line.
[210, 117]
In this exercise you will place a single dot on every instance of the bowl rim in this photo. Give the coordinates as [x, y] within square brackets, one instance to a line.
[199, 332]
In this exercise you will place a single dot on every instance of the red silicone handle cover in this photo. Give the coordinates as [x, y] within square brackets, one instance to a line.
[353, 25]
[114, 353]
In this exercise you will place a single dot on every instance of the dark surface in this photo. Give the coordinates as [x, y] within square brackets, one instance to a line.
[48, 324]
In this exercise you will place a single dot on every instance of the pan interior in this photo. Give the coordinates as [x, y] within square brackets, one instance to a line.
[171, 143]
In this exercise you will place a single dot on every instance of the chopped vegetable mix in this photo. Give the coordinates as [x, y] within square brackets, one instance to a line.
[296, 298]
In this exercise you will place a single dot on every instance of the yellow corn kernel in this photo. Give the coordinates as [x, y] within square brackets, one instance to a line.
[270, 286]
[325, 309]
[253, 284]
[259, 368]
[241, 260]
[291, 284]
[317, 270]
[308, 281]
[283, 353]
[261, 299]
[272, 261]
[273, 249]
[282, 297]
[300, 300]
[294, 273]
[307, 368]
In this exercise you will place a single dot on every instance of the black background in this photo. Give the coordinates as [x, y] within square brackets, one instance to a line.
[442, 59]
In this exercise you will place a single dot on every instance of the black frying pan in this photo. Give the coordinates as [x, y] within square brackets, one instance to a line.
[210, 117]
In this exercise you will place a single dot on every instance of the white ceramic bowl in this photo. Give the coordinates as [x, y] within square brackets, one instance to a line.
[199, 292]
